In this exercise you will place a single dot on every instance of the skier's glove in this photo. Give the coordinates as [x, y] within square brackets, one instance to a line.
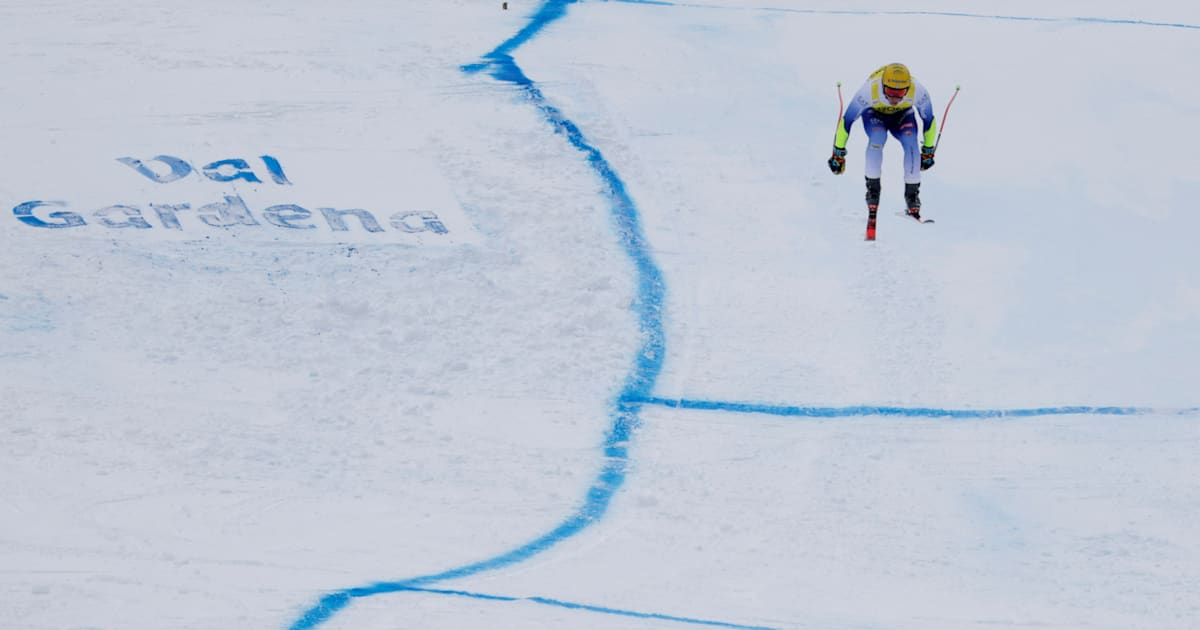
[837, 161]
[926, 158]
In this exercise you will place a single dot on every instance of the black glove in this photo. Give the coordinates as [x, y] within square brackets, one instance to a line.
[927, 158]
[837, 161]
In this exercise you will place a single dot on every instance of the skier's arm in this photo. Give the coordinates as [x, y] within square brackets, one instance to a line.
[924, 106]
[860, 102]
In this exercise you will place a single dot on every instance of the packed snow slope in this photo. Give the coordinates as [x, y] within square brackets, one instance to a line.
[443, 315]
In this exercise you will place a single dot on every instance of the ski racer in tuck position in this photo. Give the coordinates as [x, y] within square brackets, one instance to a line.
[886, 103]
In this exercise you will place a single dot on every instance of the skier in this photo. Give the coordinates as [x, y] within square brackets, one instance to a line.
[886, 103]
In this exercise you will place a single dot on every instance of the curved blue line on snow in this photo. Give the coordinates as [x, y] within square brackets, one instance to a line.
[979, 16]
[647, 305]
[549, 12]
[908, 412]
[545, 601]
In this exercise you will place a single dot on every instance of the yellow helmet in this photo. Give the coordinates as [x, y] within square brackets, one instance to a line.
[896, 76]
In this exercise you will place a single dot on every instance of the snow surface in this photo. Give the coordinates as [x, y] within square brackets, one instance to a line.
[639, 369]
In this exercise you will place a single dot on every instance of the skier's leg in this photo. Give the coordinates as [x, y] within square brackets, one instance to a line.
[872, 206]
[905, 130]
[876, 130]
[873, 191]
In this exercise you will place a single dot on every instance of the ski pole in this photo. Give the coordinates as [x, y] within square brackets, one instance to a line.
[944, 115]
[840, 104]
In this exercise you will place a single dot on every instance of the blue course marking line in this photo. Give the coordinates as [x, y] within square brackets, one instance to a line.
[545, 601]
[908, 412]
[978, 16]
[626, 613]
[639, 383]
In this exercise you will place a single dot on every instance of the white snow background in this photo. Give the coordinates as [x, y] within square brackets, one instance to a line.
[648, 374]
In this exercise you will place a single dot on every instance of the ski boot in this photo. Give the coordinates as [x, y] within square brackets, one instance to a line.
[872, 206]
[912, 197]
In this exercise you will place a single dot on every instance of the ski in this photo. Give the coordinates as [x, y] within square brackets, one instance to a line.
[917, 219]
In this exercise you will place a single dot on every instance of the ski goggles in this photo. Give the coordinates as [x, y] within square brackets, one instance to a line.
[892, 92]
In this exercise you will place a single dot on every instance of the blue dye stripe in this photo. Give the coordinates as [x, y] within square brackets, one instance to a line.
[442, 591]
[959, 14]
[626, 613]
[648, 306]
[908, 412]
[545, 601]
